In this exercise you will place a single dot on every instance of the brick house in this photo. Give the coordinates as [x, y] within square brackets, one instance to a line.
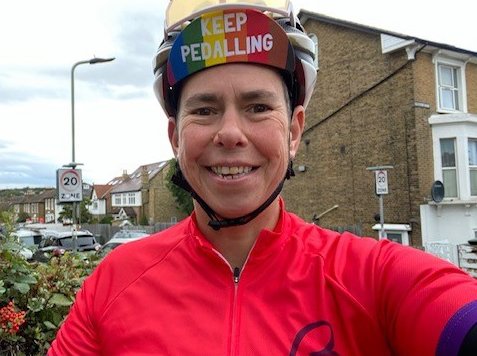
[39, 207]
[144, 194]
[388, 99]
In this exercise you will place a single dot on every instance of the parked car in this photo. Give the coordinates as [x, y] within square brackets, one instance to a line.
[56, 243]
[29, 241]
[30, 238]
[18, 248]
[119, 238]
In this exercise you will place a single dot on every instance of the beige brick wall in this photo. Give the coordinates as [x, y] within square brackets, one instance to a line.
[471, 81]
[376, 128]
[161, 206]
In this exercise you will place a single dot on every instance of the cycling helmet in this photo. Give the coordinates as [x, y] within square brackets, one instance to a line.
[216, 32]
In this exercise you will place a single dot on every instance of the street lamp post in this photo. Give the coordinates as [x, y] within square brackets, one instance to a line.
[73, 163]
[90, 61]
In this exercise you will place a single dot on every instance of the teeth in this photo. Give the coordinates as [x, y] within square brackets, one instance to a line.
[224, 170]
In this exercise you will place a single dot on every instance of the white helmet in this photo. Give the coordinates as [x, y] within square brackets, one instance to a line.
[216, 32]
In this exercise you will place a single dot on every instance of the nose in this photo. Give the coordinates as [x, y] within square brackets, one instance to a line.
[230, 132]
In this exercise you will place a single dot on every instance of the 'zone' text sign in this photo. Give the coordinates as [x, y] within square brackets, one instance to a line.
[69, 185]
[381, 182]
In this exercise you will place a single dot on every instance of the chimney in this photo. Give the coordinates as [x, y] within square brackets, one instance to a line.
[125, 175]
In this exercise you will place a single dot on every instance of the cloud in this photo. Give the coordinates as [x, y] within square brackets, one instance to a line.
[20, 169]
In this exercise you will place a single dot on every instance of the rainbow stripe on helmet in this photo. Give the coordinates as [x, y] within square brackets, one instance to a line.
[229, 36]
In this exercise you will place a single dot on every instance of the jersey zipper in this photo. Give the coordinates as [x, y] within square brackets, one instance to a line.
[236, 272]
[233, 333]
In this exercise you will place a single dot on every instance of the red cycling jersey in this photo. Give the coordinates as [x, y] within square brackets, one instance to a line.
[303, 290]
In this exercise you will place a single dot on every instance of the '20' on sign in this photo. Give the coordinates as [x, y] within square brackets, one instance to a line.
[69, 185]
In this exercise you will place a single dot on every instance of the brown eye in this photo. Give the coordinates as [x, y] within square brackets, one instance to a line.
[203, 112]
[258, 108]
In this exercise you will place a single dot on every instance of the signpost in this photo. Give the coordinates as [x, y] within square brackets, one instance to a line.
[381, 181]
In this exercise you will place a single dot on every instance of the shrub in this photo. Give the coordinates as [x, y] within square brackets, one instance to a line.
[36, 297]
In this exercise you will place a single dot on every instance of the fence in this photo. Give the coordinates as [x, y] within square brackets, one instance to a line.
[104, 232]
[463, 255]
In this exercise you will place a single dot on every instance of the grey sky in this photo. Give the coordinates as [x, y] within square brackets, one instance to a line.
[119, 124]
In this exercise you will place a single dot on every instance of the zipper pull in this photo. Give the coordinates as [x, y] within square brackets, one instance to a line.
[236, 274]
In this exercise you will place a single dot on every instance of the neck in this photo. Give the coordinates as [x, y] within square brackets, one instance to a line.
[235, 243]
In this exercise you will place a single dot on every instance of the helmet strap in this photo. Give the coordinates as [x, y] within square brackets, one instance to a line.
[216, 221]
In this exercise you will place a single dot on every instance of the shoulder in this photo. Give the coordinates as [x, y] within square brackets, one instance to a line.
[346, 253]
[325, 242]
[143, 253]
[129, 262]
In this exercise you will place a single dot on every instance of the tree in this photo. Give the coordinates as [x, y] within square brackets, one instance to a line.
[143, 220]
[85, 215]
[181, 197]
[66, 213]
[22, 217]
[108, 219]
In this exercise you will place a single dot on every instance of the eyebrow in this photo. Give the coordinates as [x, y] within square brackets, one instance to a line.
[259, 95]
[204, 98]
[199, 99]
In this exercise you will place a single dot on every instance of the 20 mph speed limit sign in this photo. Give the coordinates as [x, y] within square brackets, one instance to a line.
[69, 185]
[381, 182]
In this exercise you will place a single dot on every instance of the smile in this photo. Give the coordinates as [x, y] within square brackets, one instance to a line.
[231, 172]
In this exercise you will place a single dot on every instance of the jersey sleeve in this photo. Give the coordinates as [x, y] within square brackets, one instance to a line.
[77, 335]
[427, 305]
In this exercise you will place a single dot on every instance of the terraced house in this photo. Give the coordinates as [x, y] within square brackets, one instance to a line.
[143, 197]
[384, 98]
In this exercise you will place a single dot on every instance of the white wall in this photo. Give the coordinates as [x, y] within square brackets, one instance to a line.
[455, 223]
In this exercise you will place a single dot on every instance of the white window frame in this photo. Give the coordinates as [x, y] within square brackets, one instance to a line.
[454, 168]
[462, 127]
[127, 199]
[401, 229]
[459, 67]
[472, 167]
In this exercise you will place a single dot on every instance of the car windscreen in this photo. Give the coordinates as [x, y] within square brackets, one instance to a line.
[81, 241]
[129, 234]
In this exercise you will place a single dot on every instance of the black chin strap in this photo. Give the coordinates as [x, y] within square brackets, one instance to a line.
[216, 221]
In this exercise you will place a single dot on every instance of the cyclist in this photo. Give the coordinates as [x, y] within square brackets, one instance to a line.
[241, 275]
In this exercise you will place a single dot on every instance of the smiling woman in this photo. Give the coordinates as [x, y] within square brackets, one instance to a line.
[242, 275]
[246, 114]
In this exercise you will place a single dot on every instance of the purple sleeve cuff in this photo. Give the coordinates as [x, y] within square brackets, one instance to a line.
[456, 329]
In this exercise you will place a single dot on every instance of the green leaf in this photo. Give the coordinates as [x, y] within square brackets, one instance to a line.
[60, 299]
[23, 288]
[35, 304]
[29, 279]
[49, 325]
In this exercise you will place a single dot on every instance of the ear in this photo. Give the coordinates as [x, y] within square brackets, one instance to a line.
[173, 135]
[297, 126]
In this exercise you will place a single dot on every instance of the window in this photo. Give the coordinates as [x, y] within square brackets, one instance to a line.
[472, 148]
[132, 198]
[450, 85]
[394, 236]
[117, 199]
[449, 169]
[395, 232]
[449, 88]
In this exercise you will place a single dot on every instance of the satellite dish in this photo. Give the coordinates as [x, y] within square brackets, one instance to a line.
[437, 191]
